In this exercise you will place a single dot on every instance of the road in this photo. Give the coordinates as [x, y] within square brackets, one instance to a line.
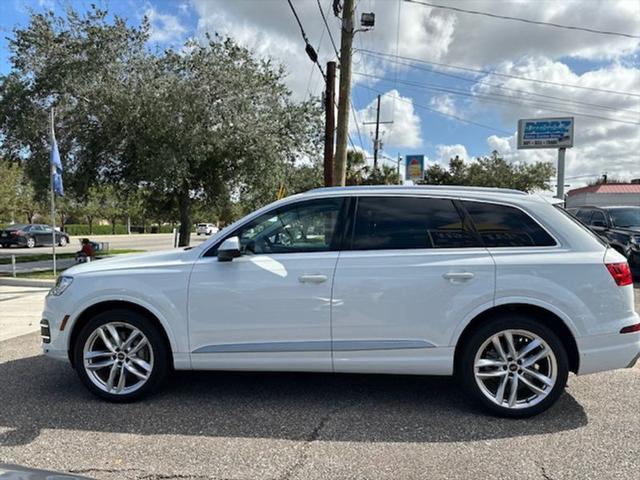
[157, 241]
[304, 426]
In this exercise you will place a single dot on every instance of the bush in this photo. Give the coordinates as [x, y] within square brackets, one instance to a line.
[79, 229]
[76, 229]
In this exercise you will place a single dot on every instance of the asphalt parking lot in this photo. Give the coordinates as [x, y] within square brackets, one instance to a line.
[308, 426]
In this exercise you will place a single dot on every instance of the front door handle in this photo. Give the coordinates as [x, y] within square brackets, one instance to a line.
[458, 276]
[312, 278]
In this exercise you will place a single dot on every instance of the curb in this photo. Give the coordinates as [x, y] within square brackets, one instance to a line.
[26, 282]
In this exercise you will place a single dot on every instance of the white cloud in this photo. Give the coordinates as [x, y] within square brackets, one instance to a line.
[405, 129]
[165, 28]
[444, 104]
[446, 152]
[600, 144]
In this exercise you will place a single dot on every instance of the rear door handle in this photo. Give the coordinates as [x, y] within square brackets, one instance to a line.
[312, 278]
[458, 276]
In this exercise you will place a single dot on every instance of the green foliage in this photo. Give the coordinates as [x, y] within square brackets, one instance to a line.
[359, 173]
[164, 131]
[492, 171]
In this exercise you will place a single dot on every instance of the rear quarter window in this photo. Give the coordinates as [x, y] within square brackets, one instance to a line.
[505, 226]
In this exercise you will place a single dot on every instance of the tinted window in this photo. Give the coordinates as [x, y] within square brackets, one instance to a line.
[584, 215]
[625, 217]
[502, 226]
[301, 227]
[406, 222]
[598, 218]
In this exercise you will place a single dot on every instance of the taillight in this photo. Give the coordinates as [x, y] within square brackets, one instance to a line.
[621, 273]
[631, 328]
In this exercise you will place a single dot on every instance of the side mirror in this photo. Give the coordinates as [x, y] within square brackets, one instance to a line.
[229, 249]
[598, 224]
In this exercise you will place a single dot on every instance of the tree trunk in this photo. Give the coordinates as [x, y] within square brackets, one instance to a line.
[184, 206]
[90, 222]
[128, 225]
[113, 226]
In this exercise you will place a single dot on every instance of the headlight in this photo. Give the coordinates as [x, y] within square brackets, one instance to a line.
[62, 283]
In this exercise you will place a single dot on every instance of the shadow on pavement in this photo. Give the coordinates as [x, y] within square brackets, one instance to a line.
[38, 393]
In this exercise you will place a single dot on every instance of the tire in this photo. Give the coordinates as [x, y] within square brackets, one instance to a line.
[63, 241]
[31, 242]
[549, 374]
[154, 354]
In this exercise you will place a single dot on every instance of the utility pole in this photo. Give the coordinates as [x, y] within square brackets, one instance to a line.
[376, 142]
[399, 177]
[346, 42]
[330, 123]
[560, 186]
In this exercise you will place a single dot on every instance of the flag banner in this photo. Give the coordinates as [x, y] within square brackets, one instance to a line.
[56, 169]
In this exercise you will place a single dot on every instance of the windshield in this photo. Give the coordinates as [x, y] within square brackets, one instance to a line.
[625, 217]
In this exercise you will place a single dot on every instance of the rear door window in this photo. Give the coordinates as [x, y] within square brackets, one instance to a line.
[504, 226]
[389, 223]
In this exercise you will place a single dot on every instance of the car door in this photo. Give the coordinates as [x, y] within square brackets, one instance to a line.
[45, 235]
[271, 307]
[37, 232]
[413, 272]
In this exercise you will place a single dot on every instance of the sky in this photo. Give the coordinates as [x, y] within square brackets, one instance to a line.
[436, 109]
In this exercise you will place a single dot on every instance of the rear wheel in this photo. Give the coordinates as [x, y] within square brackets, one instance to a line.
[514, 366]
[63, 241]
[31, 242]
[120, 356]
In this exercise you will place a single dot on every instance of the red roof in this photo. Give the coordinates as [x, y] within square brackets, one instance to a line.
[608, 188]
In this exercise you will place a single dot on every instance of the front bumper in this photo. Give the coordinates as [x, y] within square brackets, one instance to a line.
[54, 313]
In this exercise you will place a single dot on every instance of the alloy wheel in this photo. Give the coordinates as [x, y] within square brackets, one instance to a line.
[31, 242]
[515, 369]
[118, 358]
[63, 241]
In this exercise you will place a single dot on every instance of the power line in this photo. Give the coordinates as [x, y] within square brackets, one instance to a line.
[326, 25]
[524, 20]
[308, 47]
[488, 72]
[515, 90]
[434, 110]
[490, 99]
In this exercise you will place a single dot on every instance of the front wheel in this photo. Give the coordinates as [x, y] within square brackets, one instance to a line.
[121, 356]
[514, 366]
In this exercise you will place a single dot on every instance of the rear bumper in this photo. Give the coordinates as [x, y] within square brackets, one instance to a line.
[7, 242]
[599, 353]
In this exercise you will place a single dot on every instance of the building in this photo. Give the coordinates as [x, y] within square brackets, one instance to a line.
[605, 194]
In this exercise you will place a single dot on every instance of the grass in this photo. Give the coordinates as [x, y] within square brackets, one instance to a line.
[44, 275]
[6, 259]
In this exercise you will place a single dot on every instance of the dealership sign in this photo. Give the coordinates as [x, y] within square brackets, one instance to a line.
[545, 133]
[415, 167]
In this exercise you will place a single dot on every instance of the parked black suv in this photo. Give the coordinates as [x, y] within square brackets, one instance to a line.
[619, 226]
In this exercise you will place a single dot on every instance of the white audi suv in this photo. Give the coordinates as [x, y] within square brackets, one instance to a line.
[498, 287]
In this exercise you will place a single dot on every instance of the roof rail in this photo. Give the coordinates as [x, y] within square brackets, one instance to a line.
[424, 187]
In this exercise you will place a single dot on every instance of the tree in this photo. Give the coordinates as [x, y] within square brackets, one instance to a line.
[359, 173]
[492, 171]
[11, 178]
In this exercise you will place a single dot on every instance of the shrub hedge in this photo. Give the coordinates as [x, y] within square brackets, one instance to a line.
[76, 229]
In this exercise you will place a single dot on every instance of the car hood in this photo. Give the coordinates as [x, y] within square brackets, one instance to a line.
[144, 260]
[15, 472]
